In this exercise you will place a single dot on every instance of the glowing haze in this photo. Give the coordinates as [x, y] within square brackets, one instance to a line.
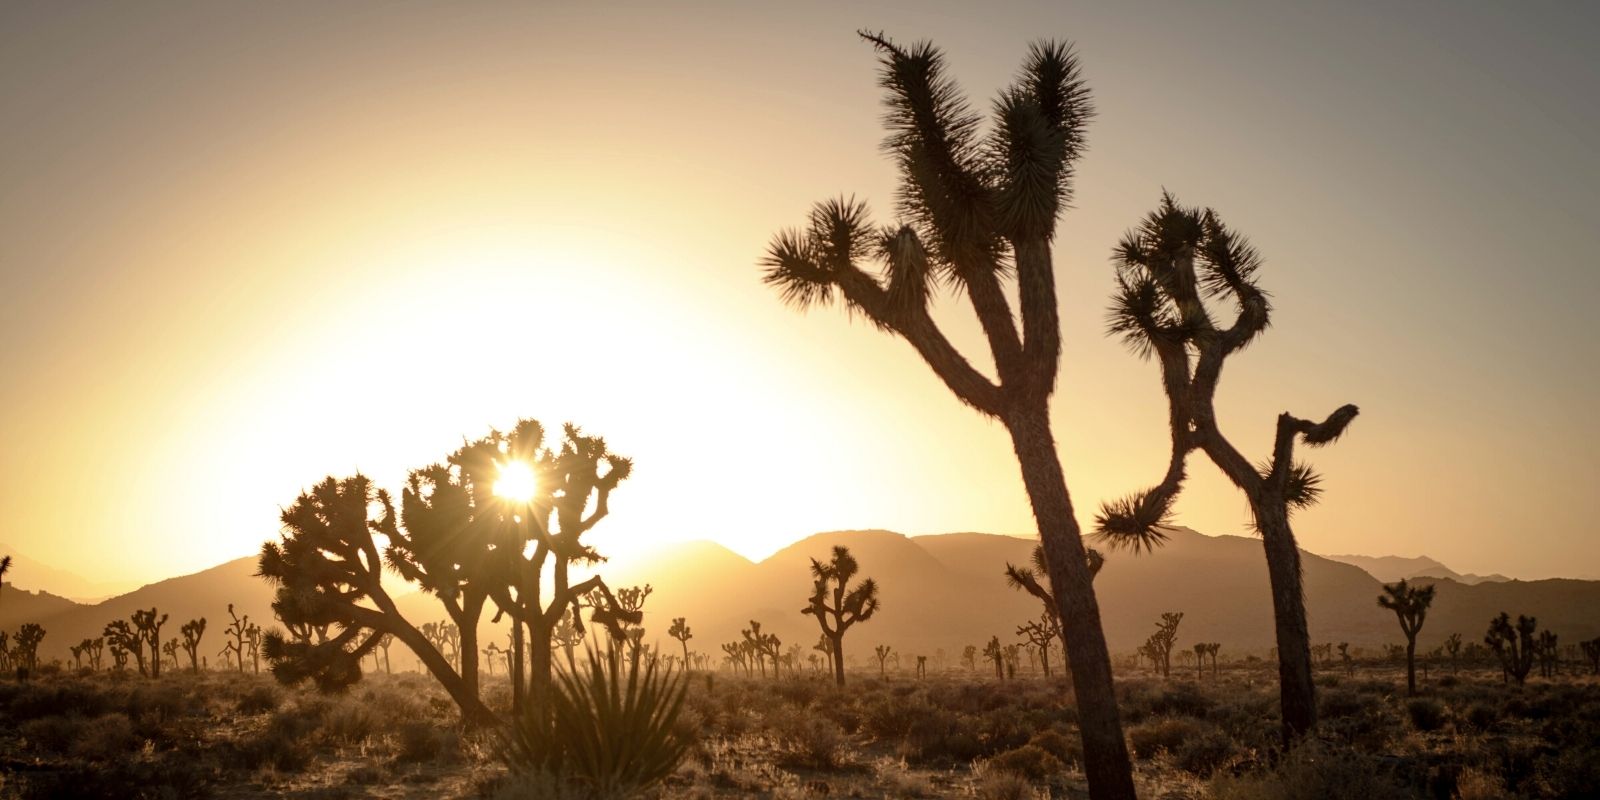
[246, 246]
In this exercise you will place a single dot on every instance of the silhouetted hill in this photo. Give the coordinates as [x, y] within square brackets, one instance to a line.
[1393, 568]
[27, 573]
[938, 592]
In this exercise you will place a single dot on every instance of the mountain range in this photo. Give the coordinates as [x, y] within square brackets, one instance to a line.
[938, 591]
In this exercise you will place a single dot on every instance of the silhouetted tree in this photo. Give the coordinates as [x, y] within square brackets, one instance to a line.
[1167, 268]
[1344, 655]
[1549, 656]
[192, 631]
[170, 650]
[981, 209]
[922, 667]
[1041, 634]
[573, 483]
[848, 606]
[1410, 605]
[236, 632]
[5, 569]
[328, 572]
[680, 631]
[1028, 579]
[95, 649]
[1159, 646]
[993, 652]
[1513, 645]
[882, 651]
[148, 626]
[125, 638]
[568, 634]
[1591, 651]
[735, 655]
[631, 600]
[119, 654]
[969, 656]
[1452, 645]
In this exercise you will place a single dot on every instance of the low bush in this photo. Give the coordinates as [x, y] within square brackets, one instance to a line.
[1426, 713]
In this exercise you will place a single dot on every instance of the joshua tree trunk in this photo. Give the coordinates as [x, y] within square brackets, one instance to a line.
[838, 658]
[1105, 751]
[1296, 691]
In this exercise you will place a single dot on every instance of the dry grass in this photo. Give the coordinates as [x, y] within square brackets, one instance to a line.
[953, 735]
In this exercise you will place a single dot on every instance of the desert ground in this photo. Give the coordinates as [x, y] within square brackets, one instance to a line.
[956, 733]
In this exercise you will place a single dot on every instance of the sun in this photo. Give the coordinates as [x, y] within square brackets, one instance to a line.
[517, 482]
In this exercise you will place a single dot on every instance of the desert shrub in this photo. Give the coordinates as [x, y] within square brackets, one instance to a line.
[51, 734]
[259, 700]
[420, 741]
[1426, 713]
[1448, 681]
[283, 745]
[1476, 784]
[1003, 785]
[349, 722]
[103, 738]
[1314, 772]
[1482, 716]
[1029, 761]
[809, 740]
[24, 701]
[944, 738]
[1204, 752]
[1004, 729]
[1152, 736]
[609, 727]
[1067, 748]
[1181, 700]
[1572, 772]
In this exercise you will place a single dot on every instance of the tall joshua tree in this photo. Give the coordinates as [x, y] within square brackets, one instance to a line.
[1168, 268]
[124, 639]
[981, 210]
[148, 627]
[680, 631]
[837, 606]
[1410, 605]
[1040, 634]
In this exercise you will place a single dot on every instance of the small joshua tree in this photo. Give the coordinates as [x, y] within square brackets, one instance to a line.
[1162, 641]
[1344, 656]
[119, 654]
[170, 650]
[1041, 634]
[95, 649]
[882, 651]
[1200, 660]
[148, 626]
[1032, 578]
[835, 605]
[993, 652]
[1549, 656]
[1452, 645]
[1513, 645]
[969, 656]
[568, 634]
[1410, 605]
[630, 600]
[922, 667]
[1591, 651]
[192, 631]
[124, 639]
[236, 633]
[680, 631]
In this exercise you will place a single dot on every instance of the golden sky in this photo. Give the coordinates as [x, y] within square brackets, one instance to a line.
[245, 246]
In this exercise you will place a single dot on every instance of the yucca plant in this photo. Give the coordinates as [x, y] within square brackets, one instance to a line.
[610, 728]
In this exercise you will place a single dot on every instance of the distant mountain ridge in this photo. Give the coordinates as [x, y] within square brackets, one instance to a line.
[939, 592]
[1393, 568]
[38, 576]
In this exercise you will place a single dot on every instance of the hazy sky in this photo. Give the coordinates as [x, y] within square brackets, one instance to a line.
[243, 246]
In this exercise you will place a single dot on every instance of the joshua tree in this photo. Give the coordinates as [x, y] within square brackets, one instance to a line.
[119, 654]
[969, 656]
[148, 626]
[1549, 656]
[77, 654]
[170, 650]
[328, 571]
[1167, 267]
[491, 654]
[1344, 655]
[1041, 634]
[1211, 650]
[1410, 605]
[95, 649]
[883, 651]
[631, 600]
[5, 569]
[1028, 579]
[848, 606]
[1159, 647]
[445, 637]
[192, 631]
[1591, 651]
[568, 634]
[922, 667]
[236, 631]
[1452, 645]
[993, 652]
[981, 210]
[125, 639]
[572, 488]
[1514, 646]
[383, 644]
[680, 631]
[1200, 660]
[735, 655]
